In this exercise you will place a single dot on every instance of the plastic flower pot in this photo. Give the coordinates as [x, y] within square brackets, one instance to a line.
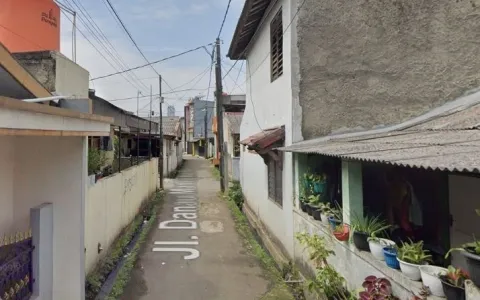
[431, 279]
[303, 206]
[376, 247]
[324, 218]
[342, 235]
[473, 265]
[307, 184]
[391, 257]
[360, 240]
[452, 292]
[309, 209]
[333, 222]
[319, 187]
[410, 270]
[316, 213]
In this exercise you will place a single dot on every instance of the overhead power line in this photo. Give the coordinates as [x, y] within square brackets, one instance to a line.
[90, 25]
[130, 35]
[152, 63]
[261, 63]
[166, 93]
[250, 74]
[123, 64]
[224, 18]
[98, 51]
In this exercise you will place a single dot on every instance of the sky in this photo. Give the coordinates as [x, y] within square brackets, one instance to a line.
[161, 28]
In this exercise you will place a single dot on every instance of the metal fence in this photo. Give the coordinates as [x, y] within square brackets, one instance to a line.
[16, 266]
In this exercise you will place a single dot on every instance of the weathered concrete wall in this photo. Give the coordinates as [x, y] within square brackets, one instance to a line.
[112, 203]
[41, 65]
[370, 62]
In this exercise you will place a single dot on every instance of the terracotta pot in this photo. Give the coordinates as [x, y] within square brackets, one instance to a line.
[342, 235]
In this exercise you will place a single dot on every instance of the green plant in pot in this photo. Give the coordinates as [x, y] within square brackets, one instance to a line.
[335, 217]
[377, 243]
[314, 202]
[364, 227]
[327, 283]
[471, 252]
[325, 212]
[303, 199]
[410, 256]
[308, 180]
[318, 183]
[453, 283]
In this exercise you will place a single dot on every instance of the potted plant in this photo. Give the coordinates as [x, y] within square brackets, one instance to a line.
[471, 252]
[335, 218]
[376, 288]
[342, 232]
[412, 255]
[314, 202]
[303, 205]
[303, 199]
[327, 283]
[318, 183]
[390, 255]
[325, 212]
[308, 181]
[431, 279]
[377, 244]
[453, 283]
[364, 227]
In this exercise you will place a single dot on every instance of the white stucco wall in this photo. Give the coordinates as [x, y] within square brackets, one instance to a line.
[53, 169]
[112, 203]
[272, 106]
[172, 156]
[6, 184]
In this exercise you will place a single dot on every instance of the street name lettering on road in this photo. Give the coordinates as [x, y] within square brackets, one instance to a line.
[183, 218]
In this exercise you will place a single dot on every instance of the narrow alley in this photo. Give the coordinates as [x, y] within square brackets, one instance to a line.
[195, 252]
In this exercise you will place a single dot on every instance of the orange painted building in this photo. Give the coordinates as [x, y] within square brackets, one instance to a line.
[29, 25]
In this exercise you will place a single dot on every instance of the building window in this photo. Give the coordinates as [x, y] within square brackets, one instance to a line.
[276, 46]
[275, 180]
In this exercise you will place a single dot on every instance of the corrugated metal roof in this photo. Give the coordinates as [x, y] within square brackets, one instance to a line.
[169, 125]
[264, 138]
[437, 150]
[445, 138]
[466, 119]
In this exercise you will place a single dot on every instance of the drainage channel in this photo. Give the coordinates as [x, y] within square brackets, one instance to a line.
[108, 284]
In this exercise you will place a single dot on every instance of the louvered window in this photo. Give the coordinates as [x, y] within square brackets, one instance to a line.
[275, 181]
[276, 46]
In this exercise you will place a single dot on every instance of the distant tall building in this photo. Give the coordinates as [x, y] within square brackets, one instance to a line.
[171, 111]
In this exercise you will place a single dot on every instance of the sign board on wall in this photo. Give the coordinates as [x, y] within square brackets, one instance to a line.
[29, 25]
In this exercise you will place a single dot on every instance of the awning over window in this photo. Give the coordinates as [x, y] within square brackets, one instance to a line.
[265, 139]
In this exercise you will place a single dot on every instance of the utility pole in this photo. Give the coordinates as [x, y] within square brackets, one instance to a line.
[206, 131]
[150, 127]
[138, 129]
[160, 130]
[219, 96]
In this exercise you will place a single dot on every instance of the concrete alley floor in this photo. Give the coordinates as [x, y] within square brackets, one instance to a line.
[208, 262]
